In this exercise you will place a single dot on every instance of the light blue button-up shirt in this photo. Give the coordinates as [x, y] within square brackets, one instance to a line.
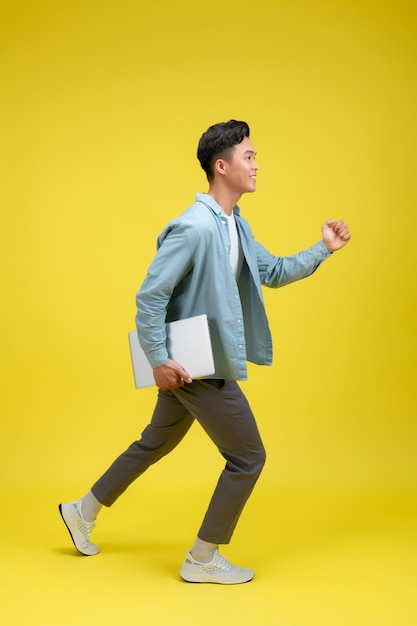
[191, 274]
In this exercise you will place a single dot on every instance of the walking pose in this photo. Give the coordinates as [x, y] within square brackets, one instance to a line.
[207, 262]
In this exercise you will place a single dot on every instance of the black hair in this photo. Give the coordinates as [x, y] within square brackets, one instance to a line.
[217, 141]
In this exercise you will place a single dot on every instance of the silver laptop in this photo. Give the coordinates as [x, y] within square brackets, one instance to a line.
[188, 343]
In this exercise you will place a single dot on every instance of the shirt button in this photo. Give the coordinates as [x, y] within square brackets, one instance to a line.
[238, 321]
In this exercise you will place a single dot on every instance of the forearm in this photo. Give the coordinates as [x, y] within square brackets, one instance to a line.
[281, 271]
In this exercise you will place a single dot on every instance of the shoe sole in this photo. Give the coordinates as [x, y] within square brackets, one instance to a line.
[70, 533]
[198, 580]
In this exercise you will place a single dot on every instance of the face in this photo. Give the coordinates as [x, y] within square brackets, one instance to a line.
[240, 172]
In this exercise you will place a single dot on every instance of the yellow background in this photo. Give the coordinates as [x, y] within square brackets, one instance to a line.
[102, 105]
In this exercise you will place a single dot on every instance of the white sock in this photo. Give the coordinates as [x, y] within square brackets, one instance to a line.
[203, 550]
[90, 507]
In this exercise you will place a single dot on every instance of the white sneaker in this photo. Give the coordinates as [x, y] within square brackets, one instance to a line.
[218, 570]
[78, 528]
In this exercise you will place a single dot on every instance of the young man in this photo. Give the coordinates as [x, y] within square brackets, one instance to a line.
[207, 262]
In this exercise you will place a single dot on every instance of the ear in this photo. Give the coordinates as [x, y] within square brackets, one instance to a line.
[220, 167]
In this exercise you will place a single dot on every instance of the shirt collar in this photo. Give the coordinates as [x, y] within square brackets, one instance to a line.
[212, 204]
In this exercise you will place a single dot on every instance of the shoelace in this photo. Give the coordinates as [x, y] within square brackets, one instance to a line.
[85, 528]
[221, 562]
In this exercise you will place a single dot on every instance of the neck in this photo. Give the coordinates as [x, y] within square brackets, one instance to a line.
[224, 198]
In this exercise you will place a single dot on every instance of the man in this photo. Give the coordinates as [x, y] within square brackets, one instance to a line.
[207, 262]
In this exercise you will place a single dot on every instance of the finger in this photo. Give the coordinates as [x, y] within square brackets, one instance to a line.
[344, 231]
[179, 381]
[338, 226]
[184, 375]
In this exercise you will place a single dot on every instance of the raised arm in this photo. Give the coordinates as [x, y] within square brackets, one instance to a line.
[277, 271]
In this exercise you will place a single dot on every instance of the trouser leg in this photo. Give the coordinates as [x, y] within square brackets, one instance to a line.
[170, 422]
[223, 411]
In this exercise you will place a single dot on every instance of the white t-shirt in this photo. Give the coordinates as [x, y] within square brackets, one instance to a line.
[236, 256]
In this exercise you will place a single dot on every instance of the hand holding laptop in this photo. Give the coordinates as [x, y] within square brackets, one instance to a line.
[189, 350]
[171, 375]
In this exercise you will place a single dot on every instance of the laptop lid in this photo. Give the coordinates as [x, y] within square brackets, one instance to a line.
[188, 343]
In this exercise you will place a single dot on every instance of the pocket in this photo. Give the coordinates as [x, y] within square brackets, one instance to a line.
[216, 382]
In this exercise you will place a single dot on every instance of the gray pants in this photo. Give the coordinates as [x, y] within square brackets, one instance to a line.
[224, 413]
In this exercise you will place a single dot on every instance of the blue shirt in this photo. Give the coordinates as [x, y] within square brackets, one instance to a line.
[191, 274]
